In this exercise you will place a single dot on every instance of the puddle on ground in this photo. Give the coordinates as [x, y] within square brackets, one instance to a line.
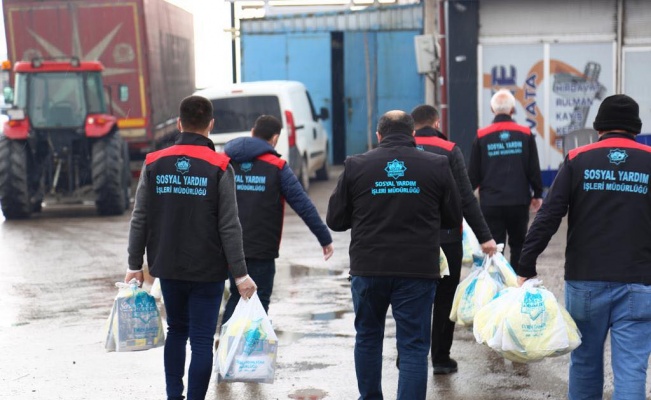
[298, 271]
[308, 394]
[286, 337]
[329, 315]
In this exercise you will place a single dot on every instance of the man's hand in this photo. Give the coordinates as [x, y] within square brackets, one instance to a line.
[130, 275]
[535, 205]
[328, 251]
[489, 247]
[245, 286]
[522, 279]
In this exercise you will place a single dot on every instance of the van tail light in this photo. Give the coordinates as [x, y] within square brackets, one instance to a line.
[291, 128]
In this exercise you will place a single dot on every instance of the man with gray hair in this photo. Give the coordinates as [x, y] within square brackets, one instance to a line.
[504, 165]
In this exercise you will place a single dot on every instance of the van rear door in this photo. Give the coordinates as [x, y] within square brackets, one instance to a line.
[236, 115]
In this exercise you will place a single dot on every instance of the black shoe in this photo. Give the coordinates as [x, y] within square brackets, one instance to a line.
[445, 367]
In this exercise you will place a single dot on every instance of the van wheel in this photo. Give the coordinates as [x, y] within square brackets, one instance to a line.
[304, 176]
[323, 173]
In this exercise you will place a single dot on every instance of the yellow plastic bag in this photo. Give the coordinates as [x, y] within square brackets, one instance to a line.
[444, 267]
[475, 291]
[248, 345]
[526, 324]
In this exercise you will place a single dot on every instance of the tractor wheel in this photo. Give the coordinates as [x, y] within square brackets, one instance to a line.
[14, 187]
[108, 177]
[126, 174]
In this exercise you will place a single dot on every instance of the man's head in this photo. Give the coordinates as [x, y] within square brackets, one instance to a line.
[195, 115]
[267, 128]
[618, 113]
[425, 115]
[503, 102]
[395, 122]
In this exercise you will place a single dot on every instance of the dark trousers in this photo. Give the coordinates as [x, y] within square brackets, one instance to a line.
[508, 220]
[411, 304]
[262, 272]
[192, 310]
[442, 327]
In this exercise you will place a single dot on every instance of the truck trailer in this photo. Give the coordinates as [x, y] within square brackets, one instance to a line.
[145, 46]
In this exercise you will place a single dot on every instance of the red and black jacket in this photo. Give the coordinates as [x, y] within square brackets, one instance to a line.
[604, 189]
[431, 140]
[261, 205]
[504, 164]
[182, 218]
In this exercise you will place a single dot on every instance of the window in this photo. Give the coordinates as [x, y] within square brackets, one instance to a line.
[238, 114]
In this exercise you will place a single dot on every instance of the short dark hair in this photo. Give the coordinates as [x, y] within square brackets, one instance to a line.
[395, 122]
[266, 126]
[195, 113]
[424, 115]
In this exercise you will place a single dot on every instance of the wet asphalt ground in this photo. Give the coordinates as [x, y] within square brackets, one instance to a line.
[57, 275]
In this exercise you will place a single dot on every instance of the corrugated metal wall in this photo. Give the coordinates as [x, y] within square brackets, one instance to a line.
[387, 18]
[500, 18]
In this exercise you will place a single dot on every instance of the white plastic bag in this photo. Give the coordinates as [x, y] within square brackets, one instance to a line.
[135, 322]
[444, 267]
[248, 345]
[471, 245]
[501, 269]
[526, 324]
[475, 291]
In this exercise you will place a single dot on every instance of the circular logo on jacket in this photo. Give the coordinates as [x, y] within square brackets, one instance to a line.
[246, 166]
[395, 169]
[182, 165]
[505, 136]
[617, 156]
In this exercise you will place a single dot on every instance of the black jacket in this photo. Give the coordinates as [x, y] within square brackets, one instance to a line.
[504, 164]
[428, 140]
[395, 199]
[186, 214]
[264, 181]
[604, 186]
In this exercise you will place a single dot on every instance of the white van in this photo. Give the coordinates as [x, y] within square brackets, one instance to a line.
[303, 141]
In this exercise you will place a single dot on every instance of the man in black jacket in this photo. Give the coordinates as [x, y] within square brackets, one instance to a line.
[504, 165]
[604, 189]
[395, 199]
[429, 138]
[185, 216]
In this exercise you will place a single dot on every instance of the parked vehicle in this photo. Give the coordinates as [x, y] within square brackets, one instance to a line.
[303, 140]
[145, 46]
[60, 143]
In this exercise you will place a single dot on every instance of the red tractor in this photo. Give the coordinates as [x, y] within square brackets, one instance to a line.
[60, 143]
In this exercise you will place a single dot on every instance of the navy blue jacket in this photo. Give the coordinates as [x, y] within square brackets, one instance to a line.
[261, 205]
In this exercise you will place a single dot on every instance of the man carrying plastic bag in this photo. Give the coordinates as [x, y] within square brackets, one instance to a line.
[603, 187]
[248, 345]
[526, 324]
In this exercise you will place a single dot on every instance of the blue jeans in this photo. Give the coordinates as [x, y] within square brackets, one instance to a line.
[192, 311]
[625, 311]
[262, 272]
[411, 303]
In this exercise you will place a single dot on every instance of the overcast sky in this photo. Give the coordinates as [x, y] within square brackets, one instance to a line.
[212, 44]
